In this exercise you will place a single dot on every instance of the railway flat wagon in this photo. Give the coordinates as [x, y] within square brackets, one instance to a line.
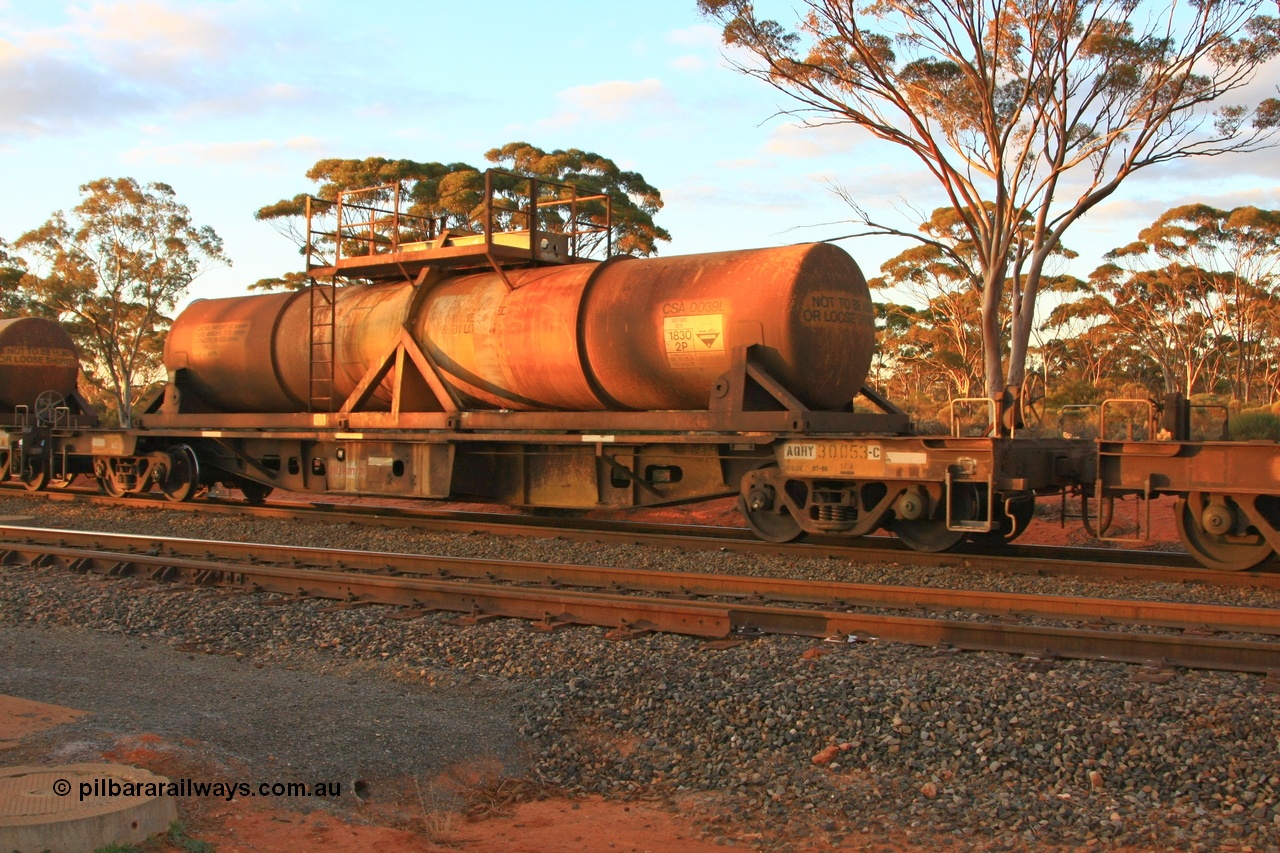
[501, 364]
[1227, 492]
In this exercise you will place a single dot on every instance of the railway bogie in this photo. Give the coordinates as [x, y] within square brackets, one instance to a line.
[933, 492]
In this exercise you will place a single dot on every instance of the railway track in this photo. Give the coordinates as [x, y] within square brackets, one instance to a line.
[1110, 564]
[715, 607]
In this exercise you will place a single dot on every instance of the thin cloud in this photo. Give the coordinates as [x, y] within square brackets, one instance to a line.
[698, 35]
[789, 195]
[616, 99]
[147, 37]
[612, 100]
[701, 47]
[250, 99]
[260, 153]
[1213, 170]
[689, 62]
[43, 93]
[799, 142]
[1141, 212]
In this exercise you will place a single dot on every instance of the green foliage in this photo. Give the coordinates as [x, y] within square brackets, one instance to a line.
[939, 336]
[634, 200]
[1193, 305]
[1073, 393]
[177, 836]
[1196, 295]
[288, 281]
[111, 272]
[1254, 425]
[13, 300]
[1028, 115]
[453, 195]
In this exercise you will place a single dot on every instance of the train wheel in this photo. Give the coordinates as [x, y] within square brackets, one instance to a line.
[34, 479]
[61, 482]
[108, 487]
[927, 534]
[1012, 519]
[1225, 551]
[182, 477]
[763, 506]
[931, 533]
[255, 494]
[772, 524]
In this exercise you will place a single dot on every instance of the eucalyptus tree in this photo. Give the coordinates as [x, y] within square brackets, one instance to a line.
[1166, 313]
[453, 195]
[1028, 112]
[1242, 247]
[13, 301]
[112, 271]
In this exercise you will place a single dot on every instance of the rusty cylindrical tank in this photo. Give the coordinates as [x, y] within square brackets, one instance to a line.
[253, 353]
[650, 333]
[36, 355]
[657, 332]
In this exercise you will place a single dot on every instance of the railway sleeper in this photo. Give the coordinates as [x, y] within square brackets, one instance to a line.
[631, 630]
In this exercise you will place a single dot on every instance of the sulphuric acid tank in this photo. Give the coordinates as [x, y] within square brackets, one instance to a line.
[36, 355]
[625, 334]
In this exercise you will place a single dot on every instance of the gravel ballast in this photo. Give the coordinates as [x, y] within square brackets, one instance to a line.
[967, 751]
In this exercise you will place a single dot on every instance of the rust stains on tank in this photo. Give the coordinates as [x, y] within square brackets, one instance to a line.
[658, 331]
[511, 348]
[644, 334]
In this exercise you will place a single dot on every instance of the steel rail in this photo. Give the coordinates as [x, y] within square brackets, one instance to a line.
[834, 594]
[631, 614]
[1110, 564]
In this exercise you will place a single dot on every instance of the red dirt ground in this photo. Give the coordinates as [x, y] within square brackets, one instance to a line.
[588, 825]
[582, 825]
[22, 717]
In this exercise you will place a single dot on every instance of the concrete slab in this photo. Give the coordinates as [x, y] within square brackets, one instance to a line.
[78, 808]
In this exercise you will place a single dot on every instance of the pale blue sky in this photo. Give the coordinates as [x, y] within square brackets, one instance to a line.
[231, 102]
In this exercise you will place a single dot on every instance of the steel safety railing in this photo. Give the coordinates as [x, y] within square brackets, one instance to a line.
[986, 403]
[371, 221]
[1133, 410]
